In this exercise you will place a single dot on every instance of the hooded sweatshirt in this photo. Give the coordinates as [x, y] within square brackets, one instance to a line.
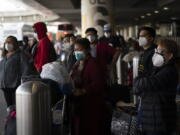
[42, 55]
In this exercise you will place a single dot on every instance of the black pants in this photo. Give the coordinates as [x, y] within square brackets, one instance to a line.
[9, 94]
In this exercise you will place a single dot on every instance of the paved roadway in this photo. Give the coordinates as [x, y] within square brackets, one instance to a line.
[2, 112]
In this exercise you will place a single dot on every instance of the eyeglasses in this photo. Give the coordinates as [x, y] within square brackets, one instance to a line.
[160, 51]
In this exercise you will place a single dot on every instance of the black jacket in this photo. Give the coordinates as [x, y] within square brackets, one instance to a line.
[158, 98]
[13, 68]
[70, 59]
[145, 63]
[114, 40]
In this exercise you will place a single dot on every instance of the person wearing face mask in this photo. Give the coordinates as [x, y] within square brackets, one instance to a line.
[105, 55]
[66, 42]
[32, 46]
[25, 43]
[110, 38]
[114, 41]
[87, 93]
[146, 41]
[45, 51]
[159, 91]
[134, 51]
[13, 66]
[70, 59]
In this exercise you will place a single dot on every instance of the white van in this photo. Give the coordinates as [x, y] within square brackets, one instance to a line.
[15, 29]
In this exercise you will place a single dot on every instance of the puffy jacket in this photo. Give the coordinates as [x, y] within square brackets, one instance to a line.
[158, 99]
[44, 47]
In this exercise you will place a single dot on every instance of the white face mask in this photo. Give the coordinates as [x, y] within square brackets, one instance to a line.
[158, 60]
[107, 34]
[36, 36]
[117, 34]
[91, 38]
[67, 46]
[9, 47]
[142, 41]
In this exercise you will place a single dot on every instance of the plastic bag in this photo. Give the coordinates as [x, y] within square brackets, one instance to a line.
[55, 71]
[120, 124]
[123, 124]
[57, 113]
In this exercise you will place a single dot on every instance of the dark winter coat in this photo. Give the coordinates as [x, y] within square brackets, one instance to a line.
[158, 99]
[113, 40]
[89, 118]
[145, 63]
[70, 59]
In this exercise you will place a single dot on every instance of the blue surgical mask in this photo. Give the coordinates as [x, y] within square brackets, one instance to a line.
[79, 55]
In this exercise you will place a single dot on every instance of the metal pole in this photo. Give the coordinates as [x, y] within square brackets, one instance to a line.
[119, 69]
[33, 109]
[135, 74]
[63, 115]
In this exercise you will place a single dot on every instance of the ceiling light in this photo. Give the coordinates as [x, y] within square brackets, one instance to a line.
[148, 14]
[156, 12]
[142, 17]
[166, 8]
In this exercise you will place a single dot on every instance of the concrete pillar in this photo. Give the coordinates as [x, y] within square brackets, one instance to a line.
[164, 30]
[174, 29]
[131, 32]
[126, 34]
[136, 31]
[122, 31]
[96, 13]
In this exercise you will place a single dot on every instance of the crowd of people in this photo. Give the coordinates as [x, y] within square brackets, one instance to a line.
[91, 64]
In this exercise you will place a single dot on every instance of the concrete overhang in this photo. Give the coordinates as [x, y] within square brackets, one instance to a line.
[25, 11]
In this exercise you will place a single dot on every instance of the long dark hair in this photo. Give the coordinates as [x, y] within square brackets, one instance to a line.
[14, 42]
